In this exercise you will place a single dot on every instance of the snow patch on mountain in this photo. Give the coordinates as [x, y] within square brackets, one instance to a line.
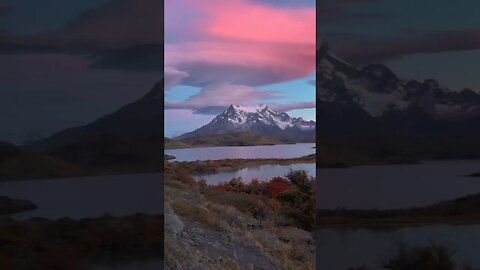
[247, 115]
[377, 90]
[258, 120]
[375, 103]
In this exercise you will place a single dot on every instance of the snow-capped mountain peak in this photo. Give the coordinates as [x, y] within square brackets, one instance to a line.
[259, 119]
[249, 115]
[377, 90]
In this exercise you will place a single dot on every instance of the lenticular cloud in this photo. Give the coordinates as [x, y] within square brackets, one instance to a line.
[239, 42]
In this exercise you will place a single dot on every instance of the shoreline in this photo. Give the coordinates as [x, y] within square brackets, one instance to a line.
[246, 145]
[79, 177]
[462, 210]
[389, 225]
[244, 164]
[226, 165]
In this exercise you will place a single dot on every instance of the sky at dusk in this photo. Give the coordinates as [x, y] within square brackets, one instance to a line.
[65, 63]
[245, 52]
[418, 39]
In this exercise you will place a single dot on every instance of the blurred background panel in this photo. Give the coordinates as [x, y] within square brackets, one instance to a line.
[398, 99]
[81, 135]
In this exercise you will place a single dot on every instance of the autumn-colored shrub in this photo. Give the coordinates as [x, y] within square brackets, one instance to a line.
[236, 185]
[276, 186]
[301, 180]
[202, 184]
[299, 207]
[274, 205]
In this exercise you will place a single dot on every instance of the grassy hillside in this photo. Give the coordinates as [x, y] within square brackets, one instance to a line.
[177, 145]
[105, 156]
[16, 163]
[228, 139]
[111, 155]
[464, 210]
[333, 154]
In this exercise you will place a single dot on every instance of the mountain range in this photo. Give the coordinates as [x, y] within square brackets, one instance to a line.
[379, 92]
[259, 120]
[377, 112]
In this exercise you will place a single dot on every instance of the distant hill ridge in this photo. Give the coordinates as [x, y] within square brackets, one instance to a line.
[226, 139]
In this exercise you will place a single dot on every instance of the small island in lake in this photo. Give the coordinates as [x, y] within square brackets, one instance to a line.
[12, 206]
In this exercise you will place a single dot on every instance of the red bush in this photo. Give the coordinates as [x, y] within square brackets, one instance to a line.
[276, 186]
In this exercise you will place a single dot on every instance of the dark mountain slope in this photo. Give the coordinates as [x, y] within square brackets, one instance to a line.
[138, 120]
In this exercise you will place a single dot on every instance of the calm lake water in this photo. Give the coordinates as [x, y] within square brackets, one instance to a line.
[396, 186]
[81, 197]
[264, 151]
[264, 172]
[340, 249]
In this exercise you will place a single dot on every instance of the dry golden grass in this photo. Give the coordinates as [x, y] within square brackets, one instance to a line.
[242, 202]
[195, 213]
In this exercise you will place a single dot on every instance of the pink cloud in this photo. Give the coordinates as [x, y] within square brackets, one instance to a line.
[221, 95]
[247, 21]
[226, 93]
[215, 98]
[239, 20]
[241, 63]
[173, 77]
[293, 106]
[239, 42]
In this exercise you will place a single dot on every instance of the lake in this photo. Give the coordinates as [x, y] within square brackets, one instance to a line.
[396, 186]
[340, 249]
[244, 152]
[82, 197]
[263, 172]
